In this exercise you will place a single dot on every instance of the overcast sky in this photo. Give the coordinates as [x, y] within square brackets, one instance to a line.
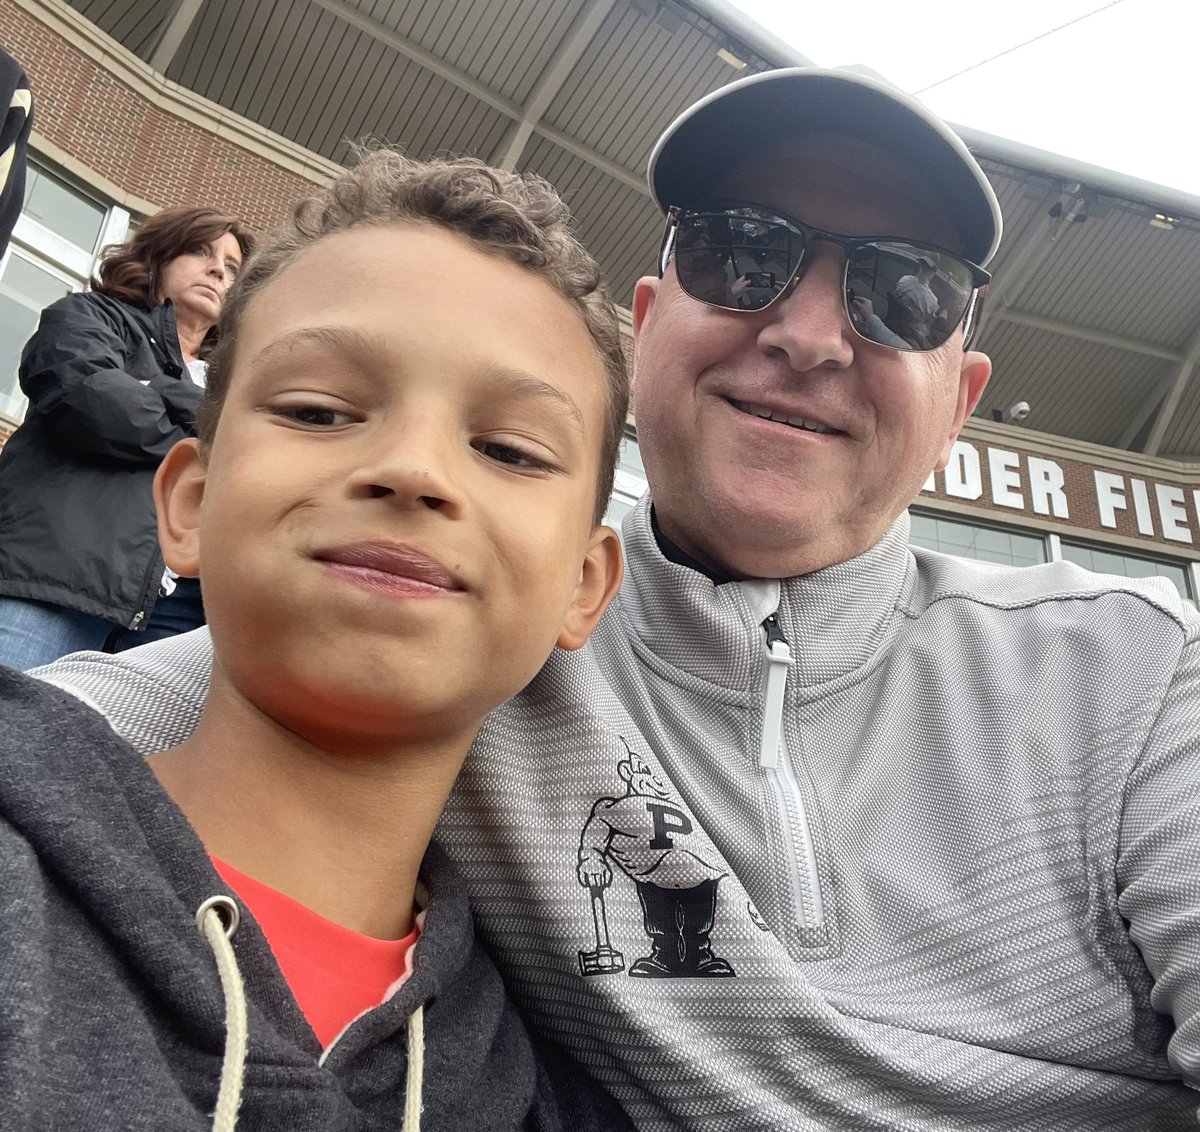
[1119, 88]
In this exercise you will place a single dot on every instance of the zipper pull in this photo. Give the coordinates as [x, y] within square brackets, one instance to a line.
[779, 660]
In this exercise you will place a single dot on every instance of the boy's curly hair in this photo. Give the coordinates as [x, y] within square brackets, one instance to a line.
[519, 217]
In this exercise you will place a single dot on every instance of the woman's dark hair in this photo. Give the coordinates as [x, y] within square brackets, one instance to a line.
[130, 271]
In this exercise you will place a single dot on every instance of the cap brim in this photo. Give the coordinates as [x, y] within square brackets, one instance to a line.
[749, 115]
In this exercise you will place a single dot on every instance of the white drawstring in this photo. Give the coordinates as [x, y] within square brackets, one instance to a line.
[416, 1070]
[217, 918]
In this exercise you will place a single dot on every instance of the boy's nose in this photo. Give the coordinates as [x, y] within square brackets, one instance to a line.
[434, 502]
[410, 471]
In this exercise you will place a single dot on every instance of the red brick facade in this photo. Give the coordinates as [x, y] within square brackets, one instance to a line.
[121, 135]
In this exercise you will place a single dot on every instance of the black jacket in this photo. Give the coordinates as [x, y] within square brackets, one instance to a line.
[77, 523]
[111, 1006]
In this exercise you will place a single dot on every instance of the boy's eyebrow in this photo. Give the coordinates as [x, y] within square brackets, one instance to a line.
[518, 383]
[515, 382]
[331, 337]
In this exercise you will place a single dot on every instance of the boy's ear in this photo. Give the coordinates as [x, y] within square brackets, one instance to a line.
[599, 580]
[178, 494]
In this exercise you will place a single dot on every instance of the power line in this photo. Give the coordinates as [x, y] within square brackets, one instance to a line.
[1017, 47]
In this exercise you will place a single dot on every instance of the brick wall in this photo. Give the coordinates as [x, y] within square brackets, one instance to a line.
[126, 139]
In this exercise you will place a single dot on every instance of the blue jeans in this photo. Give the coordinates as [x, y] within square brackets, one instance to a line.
[37, 632]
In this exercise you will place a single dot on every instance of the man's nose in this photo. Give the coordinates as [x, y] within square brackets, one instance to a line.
[810, 325]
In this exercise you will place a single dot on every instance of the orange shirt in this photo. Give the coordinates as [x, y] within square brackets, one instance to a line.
[334, 973]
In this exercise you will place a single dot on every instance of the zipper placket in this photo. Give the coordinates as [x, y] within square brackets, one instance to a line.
[777, 764]
[153, 579]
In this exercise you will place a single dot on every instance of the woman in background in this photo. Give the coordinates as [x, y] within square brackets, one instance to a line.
[113, 376]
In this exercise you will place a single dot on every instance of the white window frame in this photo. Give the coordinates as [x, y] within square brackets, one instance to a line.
[1054, 546]
[46, 250]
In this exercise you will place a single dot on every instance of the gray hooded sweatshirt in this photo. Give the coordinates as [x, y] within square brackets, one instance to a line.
[112, 1013]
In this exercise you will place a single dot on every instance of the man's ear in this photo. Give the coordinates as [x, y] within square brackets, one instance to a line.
[972, 379]
[178, 495]
[599, 580]
[645, 291]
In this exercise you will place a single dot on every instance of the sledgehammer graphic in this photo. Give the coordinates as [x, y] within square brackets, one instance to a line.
[606, 959]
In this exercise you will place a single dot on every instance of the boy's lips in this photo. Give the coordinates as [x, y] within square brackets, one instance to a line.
[393, 559]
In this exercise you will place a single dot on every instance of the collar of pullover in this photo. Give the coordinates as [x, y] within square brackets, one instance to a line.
[834, 620]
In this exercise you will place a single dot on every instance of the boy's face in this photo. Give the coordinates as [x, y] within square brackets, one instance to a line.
[393, 525]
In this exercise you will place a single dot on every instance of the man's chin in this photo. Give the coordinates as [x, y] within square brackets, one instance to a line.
[780, 542]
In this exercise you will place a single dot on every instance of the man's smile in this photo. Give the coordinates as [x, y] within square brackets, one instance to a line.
[766, 414]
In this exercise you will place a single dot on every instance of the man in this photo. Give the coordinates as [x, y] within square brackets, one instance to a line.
[917, 305]
[951, 812]
[16, 120]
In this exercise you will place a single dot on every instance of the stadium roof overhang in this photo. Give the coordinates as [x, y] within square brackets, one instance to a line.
[1094, 318]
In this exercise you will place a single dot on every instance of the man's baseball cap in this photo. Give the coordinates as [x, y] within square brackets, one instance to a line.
[751, 114]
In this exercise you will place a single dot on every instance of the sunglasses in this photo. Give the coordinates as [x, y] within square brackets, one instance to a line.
[896, 293]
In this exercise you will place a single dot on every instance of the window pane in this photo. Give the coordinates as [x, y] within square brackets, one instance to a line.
[989, 544]
[1125, 565]
[630, 459]
[61, 209]
[24, 290]
[629, 483]
[618, 507]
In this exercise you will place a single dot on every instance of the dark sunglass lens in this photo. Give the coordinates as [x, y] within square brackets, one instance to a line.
[737, 259]
[906, 296]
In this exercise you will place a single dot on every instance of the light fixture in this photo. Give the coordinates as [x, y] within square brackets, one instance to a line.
[1014, 414]
[729, 57]
[1164, 221]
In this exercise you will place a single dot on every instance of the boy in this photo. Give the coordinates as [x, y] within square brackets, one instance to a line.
[406, 446]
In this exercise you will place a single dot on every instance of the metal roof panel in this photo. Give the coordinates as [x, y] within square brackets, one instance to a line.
[137, 24]
[307, 70]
